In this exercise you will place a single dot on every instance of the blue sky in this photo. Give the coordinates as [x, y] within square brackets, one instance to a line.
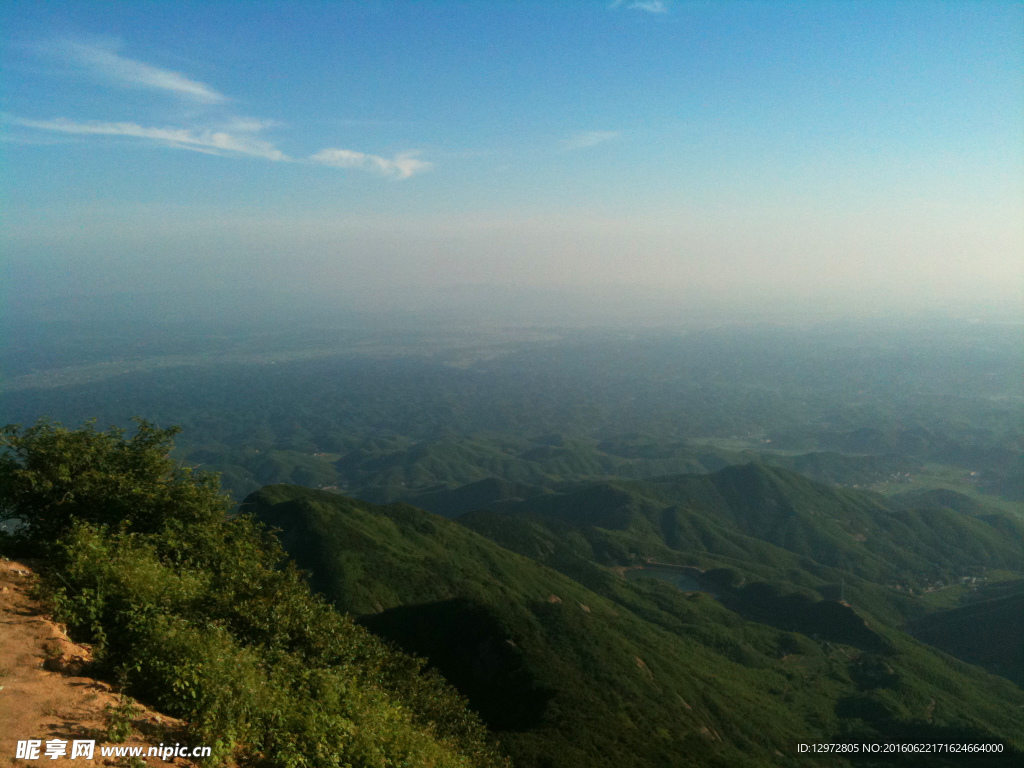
[816, 154]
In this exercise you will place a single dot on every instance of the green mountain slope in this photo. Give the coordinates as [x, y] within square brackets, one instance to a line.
[392, 472]
[405, 470]
[985, 632]
[771, 524]
[621, 673]
[932, 540]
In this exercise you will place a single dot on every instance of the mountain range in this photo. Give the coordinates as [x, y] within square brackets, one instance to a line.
[714, 619]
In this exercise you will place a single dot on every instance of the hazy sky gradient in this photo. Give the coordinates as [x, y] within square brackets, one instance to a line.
[817, 154]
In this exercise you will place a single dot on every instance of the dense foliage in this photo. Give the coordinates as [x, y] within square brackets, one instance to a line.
[52, 477]
[202, 616]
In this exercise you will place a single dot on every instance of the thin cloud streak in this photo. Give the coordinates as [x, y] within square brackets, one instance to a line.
[108, 64]
[225, 144]
[212, 141]
[400, 166]
[650, 6]
[590, 139]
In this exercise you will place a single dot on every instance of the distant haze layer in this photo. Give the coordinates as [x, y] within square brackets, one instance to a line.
[582, 267]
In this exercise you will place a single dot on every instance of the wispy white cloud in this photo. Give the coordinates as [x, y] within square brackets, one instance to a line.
[105, 62]
[208, 140]
[590, 139]
[236, 138]
[650, 6]
[400, 166]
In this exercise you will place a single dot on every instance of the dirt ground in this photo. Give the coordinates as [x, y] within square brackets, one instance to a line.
[43, 694]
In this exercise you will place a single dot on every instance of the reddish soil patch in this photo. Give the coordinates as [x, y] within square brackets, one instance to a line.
[43, 694]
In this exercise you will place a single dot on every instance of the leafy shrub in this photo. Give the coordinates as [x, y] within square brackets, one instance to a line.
[51, 476]
[120, 718]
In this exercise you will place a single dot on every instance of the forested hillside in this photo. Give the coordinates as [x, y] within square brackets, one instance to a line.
[607, 671]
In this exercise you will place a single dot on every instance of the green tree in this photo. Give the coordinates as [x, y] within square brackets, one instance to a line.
[51, 476]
